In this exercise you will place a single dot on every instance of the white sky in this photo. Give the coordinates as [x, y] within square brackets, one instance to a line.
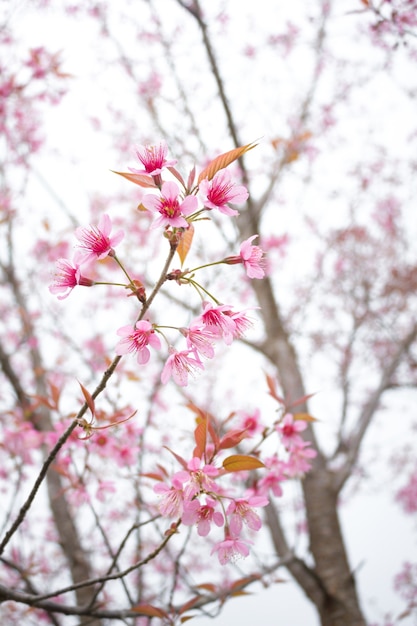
[379, 537]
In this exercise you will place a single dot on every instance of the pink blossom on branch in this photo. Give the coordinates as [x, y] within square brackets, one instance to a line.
[289, 429]
[153, 159]
[231, 549]
[220, 191]
[172, 501]
[67, 277]
[179, 365]
[252, 258]
[217, 320]
[136, 339]
[241, 510]
[203, 515]
[172, 211]
[96, 242]
[199, 339]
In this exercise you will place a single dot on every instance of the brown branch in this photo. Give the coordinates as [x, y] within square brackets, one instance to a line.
[371, 407]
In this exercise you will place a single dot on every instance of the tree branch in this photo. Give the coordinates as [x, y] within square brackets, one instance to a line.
[370, 408]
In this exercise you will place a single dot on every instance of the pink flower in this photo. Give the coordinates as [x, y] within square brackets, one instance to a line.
[298, 463]
[231, 549]
[276, 475]
[218, 192]
[200, 479]
[172, 503]
[289, 429]
[67, 277]
[251, 257]
[241, 321]
[251, 422]
[179, 365]
[171, 210]
[96, 241]
[153, 159]
[240, 510]
[217, 320]
[203, 515]
[136, 339]
[199, 339]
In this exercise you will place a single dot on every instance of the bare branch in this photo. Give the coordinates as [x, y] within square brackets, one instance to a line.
[371, 407]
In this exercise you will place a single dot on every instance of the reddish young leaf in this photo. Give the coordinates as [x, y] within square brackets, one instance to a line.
[272, 389]
[223, 160]
[89, 399]
[179, 458]
[241, 462]
[149, 610]
[243, 582]
[232, 438]
[184, 245]
[208, 587]
[189, 605]
[143, 180]
[177, 175]
[200, 436]
[301, 400]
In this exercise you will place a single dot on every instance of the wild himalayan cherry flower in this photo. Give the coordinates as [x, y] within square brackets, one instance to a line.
[67, 276]
[240, 510]
[251, 422]
[252, 258]
[172, 502]
[289, 429]
[199, 339]
[217, 320]
[273, 479]
[298, 463]
[153, 159]
[172, 211]
[200, 478]
[202, 514]
[218, 192]
[241, 322]
[136, 339]
[179, 365]
[231, 549]
[95, 241]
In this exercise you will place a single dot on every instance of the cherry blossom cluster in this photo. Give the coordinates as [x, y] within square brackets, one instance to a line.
[193, 495]
[174, 210]
[199, 494]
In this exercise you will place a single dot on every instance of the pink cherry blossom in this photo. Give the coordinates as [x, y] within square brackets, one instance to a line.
[218, 192]
[172, 502]
[298, 463]
[179, 365]
[231, 549]
[200, 339]
[289, 429]
[95, 241]
[251, 422]
[202, 514]
[67, 277]
[252, 258]
[241, 510]
[241, 321]
[136, 339]
[200, 479]
[172, 211]
[218, 321]
[273, 479]
[153, 159]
